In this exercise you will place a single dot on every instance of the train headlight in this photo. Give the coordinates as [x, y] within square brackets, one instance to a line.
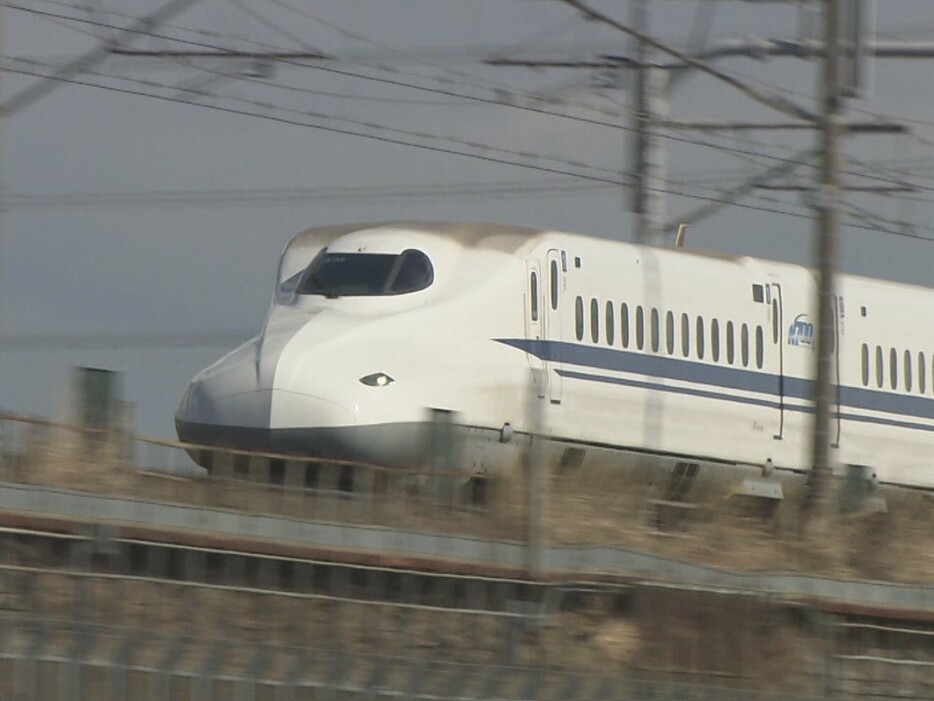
[377, 379]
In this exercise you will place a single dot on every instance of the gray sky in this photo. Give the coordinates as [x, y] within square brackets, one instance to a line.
[110, 266]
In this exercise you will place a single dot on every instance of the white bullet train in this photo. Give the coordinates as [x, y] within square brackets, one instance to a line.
[608, 350]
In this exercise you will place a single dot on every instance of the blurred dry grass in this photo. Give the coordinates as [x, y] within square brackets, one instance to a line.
[605, 506]
[664, 631]
[589, 505]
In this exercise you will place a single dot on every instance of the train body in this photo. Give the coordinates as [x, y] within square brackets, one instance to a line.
[607, 350]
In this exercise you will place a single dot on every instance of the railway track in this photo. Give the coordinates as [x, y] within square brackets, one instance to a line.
[86, 570]
[197, 573]
[99, 551]
[137, 538]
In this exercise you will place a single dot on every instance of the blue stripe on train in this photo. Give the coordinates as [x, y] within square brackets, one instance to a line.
[683, 370]
[739, 399]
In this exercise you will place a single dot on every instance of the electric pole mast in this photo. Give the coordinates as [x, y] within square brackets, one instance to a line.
[651, 90]
[828, 196]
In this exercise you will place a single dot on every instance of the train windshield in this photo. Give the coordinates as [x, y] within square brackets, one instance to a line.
[366, 274]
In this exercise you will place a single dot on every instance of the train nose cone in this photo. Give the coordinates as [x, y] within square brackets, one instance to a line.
[232, 420]
[225, 403]
[235, 404]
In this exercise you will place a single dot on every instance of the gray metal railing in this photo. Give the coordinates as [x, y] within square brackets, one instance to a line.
[52, 660]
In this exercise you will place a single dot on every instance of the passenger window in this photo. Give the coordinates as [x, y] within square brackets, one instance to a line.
[744, 335]
[610, 326]
[893, 370]
[533, 294]
[760, 351]
[715, 340]
[685, 335]
[554, 284]
[729, 343]
[880, 370]
[907, 371]
[670, 332]
[594, 321]
[624, 323]
[700, 337]
[579, 318]
[865, 365]
[654, 330]
[640, 328]
[922, 370]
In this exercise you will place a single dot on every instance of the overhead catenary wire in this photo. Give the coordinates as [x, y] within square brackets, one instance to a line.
[883, 224]
[269, 24]
[618, 126]
[226, 51]
[482, 100]
[384, 139]
[491, 101]
[251, 197]
[98, 53]
[200, 94]
[358, 123]
[221, 51]
[776, 102]
[475, 81]
[24, 201]
[356, 36]
[27, 343]
[449, 151]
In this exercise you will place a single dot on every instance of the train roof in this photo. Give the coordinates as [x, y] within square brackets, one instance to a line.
[507, 238]
[513, 238]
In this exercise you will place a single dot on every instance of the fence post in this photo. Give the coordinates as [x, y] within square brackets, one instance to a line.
[209, 669]
[168, 663]
[80, 649]
[829, 623]
[537, 482]
[299, 663]
[246, 690]
[29, 688]
[294, 487]
[7, 449]
[118, 670]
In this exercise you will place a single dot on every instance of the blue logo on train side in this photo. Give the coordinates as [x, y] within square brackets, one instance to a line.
[801, 332]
